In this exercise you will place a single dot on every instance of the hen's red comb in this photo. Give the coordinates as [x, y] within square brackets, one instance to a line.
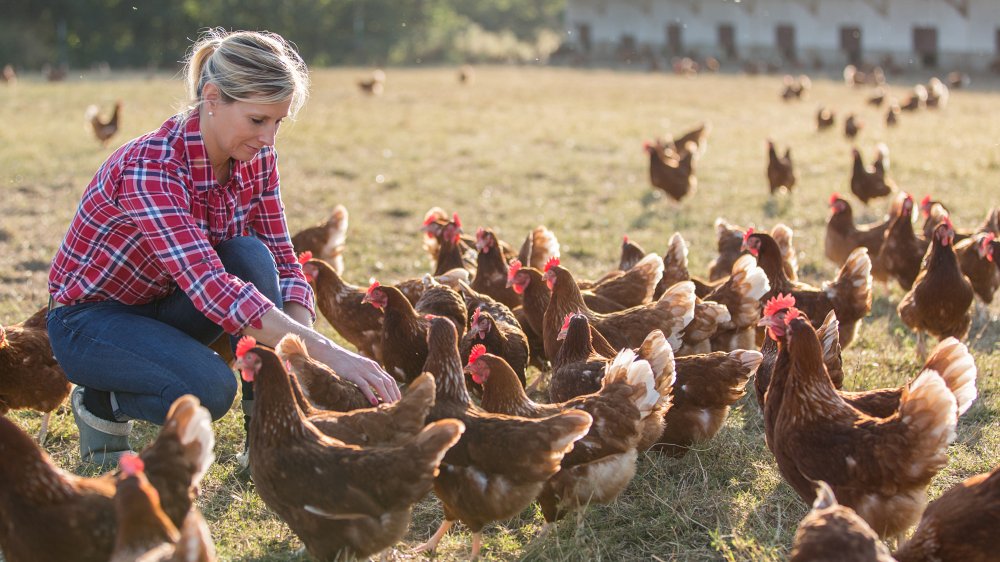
[551, 263]
[245, 344]
[834, 197]
[746, 235]
[513, 268]
[646, 145]
[792, 314]
[372, 287]
[986, 245]
[430, 219]
[456, 220]
[305, 256]
[131, 464]
[778, 303]
[566, 321]
[925, 203]
[478, 351]
[475, 315]
[480, 232]
[625, 239]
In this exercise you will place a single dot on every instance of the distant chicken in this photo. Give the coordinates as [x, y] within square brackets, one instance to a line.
[344, 500]
[892, 115]
[404, 328]
[957, 80]
[501, 463]
[824, 118]
[674, 173]
[325, 241]
[145, 533]
[51, 514]
[843, 235]
[868, 185]
[780, 173]
[850, 294]
[959, 525]
[632, 253]
[852, 126]
[880, 467]
[9, 75]
[323, 387]
[104, 129]
[730, 243]
[628, 328]
[603, 462]
[374, 85]
[902, 252]
[795, 88]
[30, 377]
[937, 94]
[624, 289]
[835, 532]
[491, 270]
[343, 306]
[877, 97]
[940, 301]
[979, 259]
[466, 74]
[539, 246]
[699, 136]
[916, 99]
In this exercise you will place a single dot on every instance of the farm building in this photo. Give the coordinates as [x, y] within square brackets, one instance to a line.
[907, 33]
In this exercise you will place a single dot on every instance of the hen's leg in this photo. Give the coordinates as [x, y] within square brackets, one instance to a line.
[45, 428]
[432, 542]
[477, 544]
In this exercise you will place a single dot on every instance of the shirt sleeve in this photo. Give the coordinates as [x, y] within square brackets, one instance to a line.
[269, 226]
[157, 201]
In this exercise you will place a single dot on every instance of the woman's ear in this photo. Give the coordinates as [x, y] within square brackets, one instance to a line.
[210, 95]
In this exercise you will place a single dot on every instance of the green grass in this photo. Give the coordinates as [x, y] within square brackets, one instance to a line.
[524, 146]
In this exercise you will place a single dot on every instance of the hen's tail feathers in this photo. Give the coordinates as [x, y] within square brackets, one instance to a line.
[930, 412]
[337, 225]
[453, 277]
[91, 115]
[708, 316]
[851, 292]
[192, 425]
[292, 348]
[649, 271]
[678, 301]
[829, 339]
[952, 360]
[783, 235]
[570, 426]
[824, 496]
[882, 153]
[416, 403]
[431, 444]
[656, 350]
[749, 360]
[544, 246]
[750, 283]
[675, 261]
[638, 374]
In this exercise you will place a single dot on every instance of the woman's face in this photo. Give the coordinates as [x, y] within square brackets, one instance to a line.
[239, 130]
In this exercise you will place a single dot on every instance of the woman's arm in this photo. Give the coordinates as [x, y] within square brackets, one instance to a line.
[367, 374]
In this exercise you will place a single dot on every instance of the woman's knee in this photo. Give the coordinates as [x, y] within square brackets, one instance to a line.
[216, 391]
[249, 259]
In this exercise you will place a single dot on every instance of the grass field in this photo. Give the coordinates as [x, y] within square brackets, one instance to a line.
[520, 147]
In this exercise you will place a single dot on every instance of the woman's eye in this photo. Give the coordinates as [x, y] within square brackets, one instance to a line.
[257, 121]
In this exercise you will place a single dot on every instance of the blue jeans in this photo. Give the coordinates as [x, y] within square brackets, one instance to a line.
[149, 355]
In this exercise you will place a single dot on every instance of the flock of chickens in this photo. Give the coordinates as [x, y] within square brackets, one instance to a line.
[646, 359]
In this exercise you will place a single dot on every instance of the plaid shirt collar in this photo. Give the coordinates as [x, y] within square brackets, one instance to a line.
[199, 165]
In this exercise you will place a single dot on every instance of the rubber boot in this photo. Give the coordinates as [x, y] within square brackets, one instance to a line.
[102, 442]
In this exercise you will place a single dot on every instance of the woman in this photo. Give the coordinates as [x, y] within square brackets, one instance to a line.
[181, 236]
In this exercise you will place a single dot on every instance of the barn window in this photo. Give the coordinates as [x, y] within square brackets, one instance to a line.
[785, 39]
[850, 43]
[727, 40]
[925, 45]
[675, 42]
[583, 32]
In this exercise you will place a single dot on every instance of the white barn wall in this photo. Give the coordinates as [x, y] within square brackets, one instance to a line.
[968, 41]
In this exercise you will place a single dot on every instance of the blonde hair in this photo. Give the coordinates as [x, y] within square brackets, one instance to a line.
[248, 66]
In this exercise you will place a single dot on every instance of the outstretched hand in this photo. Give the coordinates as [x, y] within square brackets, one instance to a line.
[370, 377]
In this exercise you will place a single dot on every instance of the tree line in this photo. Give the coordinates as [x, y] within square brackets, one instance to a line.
[156, 33]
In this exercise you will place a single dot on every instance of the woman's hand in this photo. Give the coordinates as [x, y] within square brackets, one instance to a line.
[367, 374]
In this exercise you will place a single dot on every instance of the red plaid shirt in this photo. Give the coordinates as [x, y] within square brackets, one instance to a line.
[149, 221]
